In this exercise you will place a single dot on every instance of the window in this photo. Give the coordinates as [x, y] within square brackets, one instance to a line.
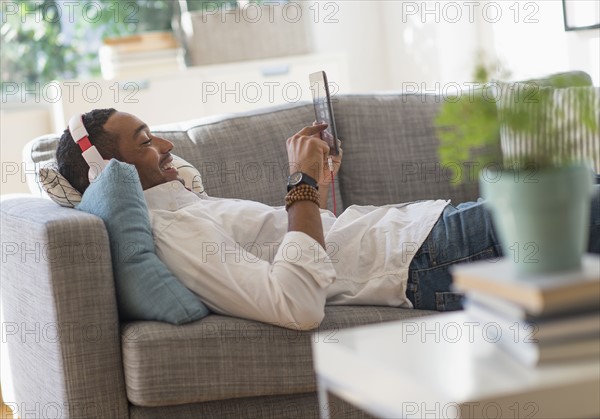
[59, 39]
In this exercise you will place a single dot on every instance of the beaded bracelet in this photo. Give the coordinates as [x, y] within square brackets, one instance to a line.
[302, 193]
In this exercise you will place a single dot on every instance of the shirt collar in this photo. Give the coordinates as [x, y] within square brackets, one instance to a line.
[169, 196]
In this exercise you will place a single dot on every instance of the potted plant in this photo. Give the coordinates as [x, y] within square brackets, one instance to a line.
[525, 142]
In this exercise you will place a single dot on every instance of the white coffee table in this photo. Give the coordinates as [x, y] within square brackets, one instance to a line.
[446, 366]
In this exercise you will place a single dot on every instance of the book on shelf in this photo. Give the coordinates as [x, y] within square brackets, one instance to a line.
[144, 54]
[537, 295]
[108, 53]
[136, 64]
[148, 41]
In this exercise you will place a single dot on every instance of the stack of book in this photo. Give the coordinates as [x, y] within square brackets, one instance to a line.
[144, 54]
[536, 319]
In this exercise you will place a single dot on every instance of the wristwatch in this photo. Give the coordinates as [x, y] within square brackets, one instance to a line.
[299, 178]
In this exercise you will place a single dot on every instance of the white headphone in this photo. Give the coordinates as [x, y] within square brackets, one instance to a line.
[89, 152]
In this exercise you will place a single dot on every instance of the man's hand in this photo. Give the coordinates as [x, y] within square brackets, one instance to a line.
[325, 180]
[306, 151]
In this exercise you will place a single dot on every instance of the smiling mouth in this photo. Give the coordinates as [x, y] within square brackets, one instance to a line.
[167, 166]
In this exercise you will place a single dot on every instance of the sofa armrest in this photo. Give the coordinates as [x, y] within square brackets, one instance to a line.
[61, 326]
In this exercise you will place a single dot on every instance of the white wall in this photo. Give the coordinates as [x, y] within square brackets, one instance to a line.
[584, 52]
[536, 43]
[19, 125]
[428, 44]
[354, 28]
[390, 44]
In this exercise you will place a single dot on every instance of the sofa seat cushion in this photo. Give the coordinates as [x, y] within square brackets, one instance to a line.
[222, 357]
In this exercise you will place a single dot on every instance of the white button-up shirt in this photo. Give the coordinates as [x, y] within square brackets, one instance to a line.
[240, 259]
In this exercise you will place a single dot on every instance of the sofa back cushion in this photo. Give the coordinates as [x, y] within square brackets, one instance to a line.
[390, 151]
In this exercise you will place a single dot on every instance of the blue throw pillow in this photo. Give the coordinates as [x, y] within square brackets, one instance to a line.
[146, 289]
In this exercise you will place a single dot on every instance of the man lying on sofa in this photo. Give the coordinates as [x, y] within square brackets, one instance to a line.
[396, 255]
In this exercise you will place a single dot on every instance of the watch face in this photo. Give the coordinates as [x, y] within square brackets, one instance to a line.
[295, 178]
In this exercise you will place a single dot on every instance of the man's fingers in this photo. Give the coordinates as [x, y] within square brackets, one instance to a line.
[312, 130]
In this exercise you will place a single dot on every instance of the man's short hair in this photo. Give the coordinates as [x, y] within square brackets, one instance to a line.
[71, 163]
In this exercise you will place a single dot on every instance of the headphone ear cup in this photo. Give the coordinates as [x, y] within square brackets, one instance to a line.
[95, 171]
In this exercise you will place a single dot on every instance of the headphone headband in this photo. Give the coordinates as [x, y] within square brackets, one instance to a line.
[89, 152]
[76, 128]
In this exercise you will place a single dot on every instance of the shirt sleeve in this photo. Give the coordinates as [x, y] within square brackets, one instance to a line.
[289, 292]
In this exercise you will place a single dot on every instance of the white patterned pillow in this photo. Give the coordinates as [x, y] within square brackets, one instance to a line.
[190, 175]
[60, 190]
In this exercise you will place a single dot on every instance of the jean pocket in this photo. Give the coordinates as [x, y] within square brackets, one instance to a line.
[430, 287]
[448, 301]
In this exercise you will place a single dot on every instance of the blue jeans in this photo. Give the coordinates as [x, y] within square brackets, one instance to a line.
[462, 234]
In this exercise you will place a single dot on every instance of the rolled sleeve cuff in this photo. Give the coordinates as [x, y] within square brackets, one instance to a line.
[304, 252]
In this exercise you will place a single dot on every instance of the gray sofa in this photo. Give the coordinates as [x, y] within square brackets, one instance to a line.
[69, 352]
